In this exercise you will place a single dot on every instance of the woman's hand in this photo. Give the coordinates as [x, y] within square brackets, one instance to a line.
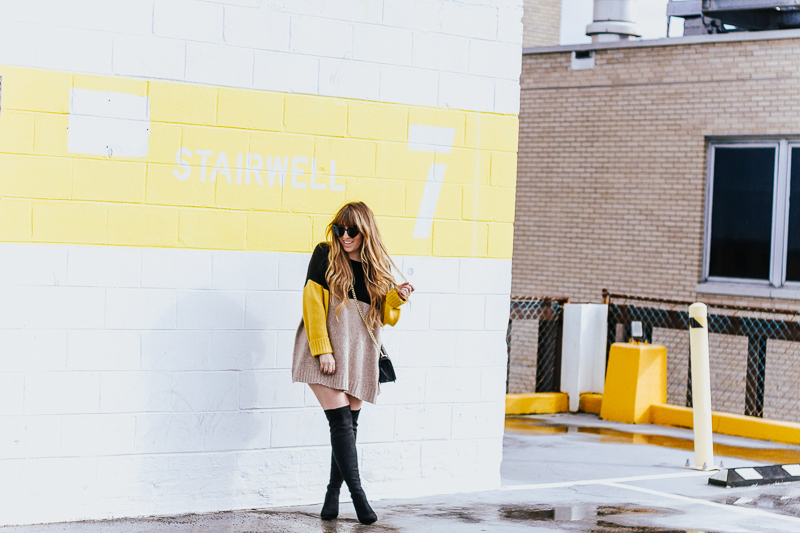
[404, 290]
[327, 364]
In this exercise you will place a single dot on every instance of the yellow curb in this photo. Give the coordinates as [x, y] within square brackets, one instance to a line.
[537, 403]
[729, 424]
[591, 402]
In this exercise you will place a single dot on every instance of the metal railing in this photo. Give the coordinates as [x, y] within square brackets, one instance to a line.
[755, 352]
[535, 326]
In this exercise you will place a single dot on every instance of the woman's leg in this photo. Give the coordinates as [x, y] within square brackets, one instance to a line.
[355, 403]
[344, 465]
[330, 398]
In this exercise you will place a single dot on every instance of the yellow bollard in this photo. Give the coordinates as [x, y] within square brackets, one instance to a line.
[701, 387]
[635, 380]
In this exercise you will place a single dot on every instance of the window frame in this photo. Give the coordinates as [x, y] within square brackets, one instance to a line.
[776, 285]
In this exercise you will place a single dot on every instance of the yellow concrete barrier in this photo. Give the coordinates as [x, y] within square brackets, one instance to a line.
[636, 392]
[537, 403]
[636, 379]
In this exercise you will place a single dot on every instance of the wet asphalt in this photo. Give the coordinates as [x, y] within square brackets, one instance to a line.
[569, 472]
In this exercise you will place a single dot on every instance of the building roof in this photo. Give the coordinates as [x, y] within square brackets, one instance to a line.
[671, 41]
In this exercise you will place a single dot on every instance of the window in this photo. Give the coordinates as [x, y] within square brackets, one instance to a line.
[752, 242]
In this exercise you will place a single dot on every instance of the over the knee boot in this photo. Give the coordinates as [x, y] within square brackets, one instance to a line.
[343, 443]
[330, 509]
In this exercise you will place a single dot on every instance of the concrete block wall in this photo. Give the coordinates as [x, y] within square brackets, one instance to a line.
[147, 371]
[166, 169]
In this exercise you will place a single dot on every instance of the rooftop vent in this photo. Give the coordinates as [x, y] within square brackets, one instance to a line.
[614, 20]
[702, 17]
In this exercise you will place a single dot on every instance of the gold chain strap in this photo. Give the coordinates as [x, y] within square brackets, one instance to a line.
[360, 312]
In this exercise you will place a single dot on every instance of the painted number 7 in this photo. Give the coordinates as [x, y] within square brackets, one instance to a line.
[437, 140]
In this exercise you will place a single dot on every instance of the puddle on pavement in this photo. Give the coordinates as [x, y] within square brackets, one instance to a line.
[608, 527]
[584, 513]
[780, 502]
[608, 435]
[570, 513]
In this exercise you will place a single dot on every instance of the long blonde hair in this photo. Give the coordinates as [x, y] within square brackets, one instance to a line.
[375, 260]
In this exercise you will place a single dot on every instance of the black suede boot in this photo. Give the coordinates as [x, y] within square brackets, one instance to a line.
[343, 443]
[330, 509]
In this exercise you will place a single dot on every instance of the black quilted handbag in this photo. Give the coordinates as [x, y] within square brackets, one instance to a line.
[385, 368]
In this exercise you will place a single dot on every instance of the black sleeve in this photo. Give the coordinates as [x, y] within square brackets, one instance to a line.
[318, 265]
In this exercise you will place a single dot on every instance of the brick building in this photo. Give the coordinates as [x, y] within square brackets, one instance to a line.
[540, 22]
[614, 159]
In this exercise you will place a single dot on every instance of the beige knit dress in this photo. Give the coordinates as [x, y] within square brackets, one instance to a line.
[344, 334]
[355, 354]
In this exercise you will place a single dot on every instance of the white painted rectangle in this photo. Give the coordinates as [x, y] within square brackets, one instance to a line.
[109, 104]
[108, 123]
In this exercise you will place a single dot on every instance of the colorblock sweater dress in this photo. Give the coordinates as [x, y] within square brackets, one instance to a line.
[344, 335]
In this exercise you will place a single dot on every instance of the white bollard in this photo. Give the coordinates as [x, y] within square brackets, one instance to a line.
[701, 387]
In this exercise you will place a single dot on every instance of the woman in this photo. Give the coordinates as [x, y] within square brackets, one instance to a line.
[333, 351]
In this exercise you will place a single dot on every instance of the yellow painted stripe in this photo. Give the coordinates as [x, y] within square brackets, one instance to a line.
[49, 194]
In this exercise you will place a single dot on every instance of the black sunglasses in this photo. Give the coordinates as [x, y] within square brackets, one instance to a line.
[339, 231]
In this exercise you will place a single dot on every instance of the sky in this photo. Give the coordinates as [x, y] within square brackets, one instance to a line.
[652, 20]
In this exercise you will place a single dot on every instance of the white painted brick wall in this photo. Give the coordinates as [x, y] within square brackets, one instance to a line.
[459, 91]
[148, 56]
[277, 45]
[74, 49]
[28, 349]
[321, 37]
[381, 44]
[122, 267]
[66, 307]
[62, 393]
[350, 79]
[261, 30]
[178, 373]
[215, 64]
[446, 53]
[163, 376]
[103, 349]
[189, 20]
[280, 71]
[12, 390]
[176, 350]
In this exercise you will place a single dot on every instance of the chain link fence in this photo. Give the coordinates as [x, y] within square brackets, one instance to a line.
[754, 352]
[534, 333]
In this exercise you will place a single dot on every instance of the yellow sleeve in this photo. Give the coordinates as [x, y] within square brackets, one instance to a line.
[391, 308]
[315, 315]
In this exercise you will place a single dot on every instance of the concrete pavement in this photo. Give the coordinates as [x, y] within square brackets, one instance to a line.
[560, 473]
